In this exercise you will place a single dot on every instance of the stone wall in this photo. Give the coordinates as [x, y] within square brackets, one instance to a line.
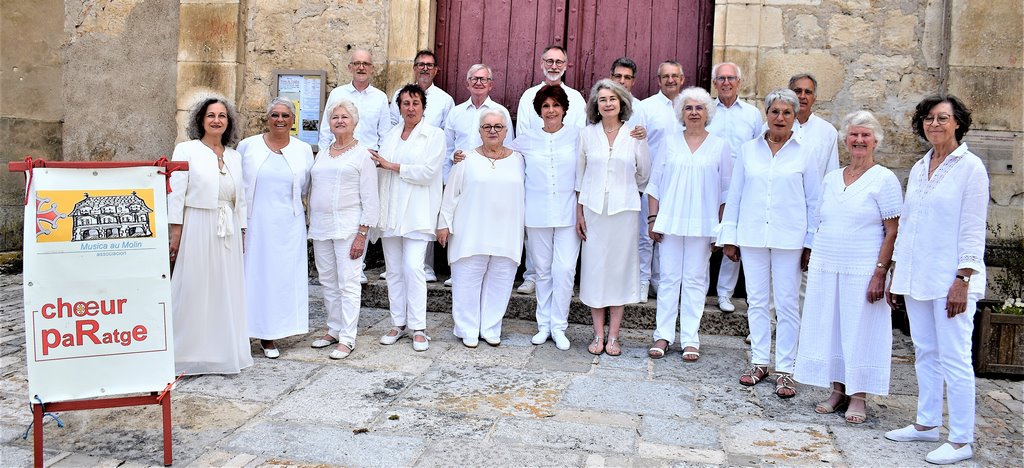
[884, 56]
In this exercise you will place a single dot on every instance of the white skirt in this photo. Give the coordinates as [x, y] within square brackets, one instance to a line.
[610, 261]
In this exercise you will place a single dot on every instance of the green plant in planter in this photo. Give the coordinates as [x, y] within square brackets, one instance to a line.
[1009, 283]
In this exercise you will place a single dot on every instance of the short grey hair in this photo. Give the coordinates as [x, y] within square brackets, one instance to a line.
[862, 118]
[489, 112]
[625, 101]
[282, 101]
[700, 95]
[793, 79]
[714, 71]
[785, 95]
[344, 104]
[477, 67]
[194, 128]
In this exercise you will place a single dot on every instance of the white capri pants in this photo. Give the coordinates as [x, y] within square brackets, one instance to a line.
[682, 288]
[554, 252]
[339, 276]
[942, 355]
[481, 286]
[407, 282]
[773, 275]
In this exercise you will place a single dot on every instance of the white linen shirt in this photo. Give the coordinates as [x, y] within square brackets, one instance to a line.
[439, 104]
[411, 198]
[374, 117]
[691, 187]
[483, 208]
[550, 176]
[527, 117]
[773, 200]
[462, 129]
[662, 122]
[942, 228]
[297, 154]
[738, 124]
[343, 195]
[617, 171]
[824, 137]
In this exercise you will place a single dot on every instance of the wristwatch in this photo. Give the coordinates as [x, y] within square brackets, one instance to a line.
[965, 279]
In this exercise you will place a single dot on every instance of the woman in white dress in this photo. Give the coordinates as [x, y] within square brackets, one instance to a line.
[481, 216]
[939, 271]
[410, 161]
[611, 167]
[550, 155]
[275, 168]
[206, 213]
[343, 205]
[770, 217]
[686, 196]
[846, 328]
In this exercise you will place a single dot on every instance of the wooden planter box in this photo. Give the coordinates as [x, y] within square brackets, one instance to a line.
[998, 342]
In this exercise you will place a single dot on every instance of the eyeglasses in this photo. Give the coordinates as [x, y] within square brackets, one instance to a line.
[279, 115]
[942, 119]
[727, 79]
[492, 128]
[550, 62]
[360, 64]
[426, 65]
[693, 108]
[673, 76]
[620, 76]
[479, 79]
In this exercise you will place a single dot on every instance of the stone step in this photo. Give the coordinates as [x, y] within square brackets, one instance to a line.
[523, 306]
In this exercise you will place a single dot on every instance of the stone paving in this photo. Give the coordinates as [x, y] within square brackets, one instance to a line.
[511, 405]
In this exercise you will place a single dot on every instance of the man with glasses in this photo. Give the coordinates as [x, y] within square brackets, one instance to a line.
[439, 103]
[822, 136]
[737, 122]
[554, 62]
[461, 128]
[372, 104]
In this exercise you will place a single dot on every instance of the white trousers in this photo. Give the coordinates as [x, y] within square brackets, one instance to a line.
[481, 286]
[554, 252]
[773, 275]
[647, 248]
[339, 276]
[682, 287]
[942, 353]
[728, 276]
[531, 271]
[407, 283]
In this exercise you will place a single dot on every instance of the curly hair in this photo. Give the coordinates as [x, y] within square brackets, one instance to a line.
[413, 90]
[195, 129]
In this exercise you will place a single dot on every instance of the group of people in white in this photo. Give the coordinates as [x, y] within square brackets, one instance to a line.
[640, 191]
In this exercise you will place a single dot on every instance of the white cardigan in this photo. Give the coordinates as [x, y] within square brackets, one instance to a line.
[411, 198]
[618, 170]
[299, 156]
[198, 186]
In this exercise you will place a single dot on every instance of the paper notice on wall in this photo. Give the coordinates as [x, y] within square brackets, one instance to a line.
[97, 283]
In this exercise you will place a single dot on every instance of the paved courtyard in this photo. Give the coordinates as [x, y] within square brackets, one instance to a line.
[512, 405]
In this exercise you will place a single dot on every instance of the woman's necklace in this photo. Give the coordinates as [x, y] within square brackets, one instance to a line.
[278, 150]
[614, 129]
[850, 175]
[770, 140]
[220, 158]
[341, 149]
[499, 154]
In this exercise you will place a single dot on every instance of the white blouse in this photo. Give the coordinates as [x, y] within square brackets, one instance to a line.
[343, 195]
[483, 207]
[942, 228]
[617, 171]
[299, 156]
[773, 200]
[550, 176]
[691, 186]
[411, 198]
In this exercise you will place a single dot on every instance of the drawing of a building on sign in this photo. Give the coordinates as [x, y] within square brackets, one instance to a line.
[110, 217]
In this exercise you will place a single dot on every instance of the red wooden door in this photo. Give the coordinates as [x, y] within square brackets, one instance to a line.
[509, 35]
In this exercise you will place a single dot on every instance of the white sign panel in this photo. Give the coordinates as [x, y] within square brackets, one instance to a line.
[97, 283]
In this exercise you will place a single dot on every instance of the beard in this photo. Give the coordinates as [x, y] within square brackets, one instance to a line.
[553, 76]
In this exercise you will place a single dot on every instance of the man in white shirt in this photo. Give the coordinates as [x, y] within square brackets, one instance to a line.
[462, 127]
[439, 103]
[372, 104]
[737, 122]
[817, 132]
[554, 62]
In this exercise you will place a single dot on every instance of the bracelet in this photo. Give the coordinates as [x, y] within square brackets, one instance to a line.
[652, 216]
[882, 266]
[360, 233]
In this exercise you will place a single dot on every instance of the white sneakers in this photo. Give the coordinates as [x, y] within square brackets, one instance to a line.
[944, 455]
[448, 282]
[528, 287]
[561, 342]
[495, 341]
[362, 278]
[470, 342]
[429, 273]
[645, 291]
[725, 304]
[540, 337]
[383, 275]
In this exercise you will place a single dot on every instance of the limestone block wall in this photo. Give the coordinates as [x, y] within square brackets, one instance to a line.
[207, 54]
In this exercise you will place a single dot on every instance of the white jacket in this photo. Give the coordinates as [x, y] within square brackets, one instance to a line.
[197, 187]
[411, 198]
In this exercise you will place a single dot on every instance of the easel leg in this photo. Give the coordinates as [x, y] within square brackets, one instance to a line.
[37, 434]
[166, 405]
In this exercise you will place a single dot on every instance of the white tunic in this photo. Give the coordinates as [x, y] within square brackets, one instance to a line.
[344, 194]
[483, 207]
[691, 186]
[943, 227]
[411, 198]
[462, 129]
[527, 118]
[374, 115]
[550, 176]
[439, 103]
[843, 337]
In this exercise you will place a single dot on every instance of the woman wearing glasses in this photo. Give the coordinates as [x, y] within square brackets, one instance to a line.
[940, 272]
[482, 216]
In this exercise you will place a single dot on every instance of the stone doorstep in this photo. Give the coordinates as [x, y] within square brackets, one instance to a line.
[523, 307]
